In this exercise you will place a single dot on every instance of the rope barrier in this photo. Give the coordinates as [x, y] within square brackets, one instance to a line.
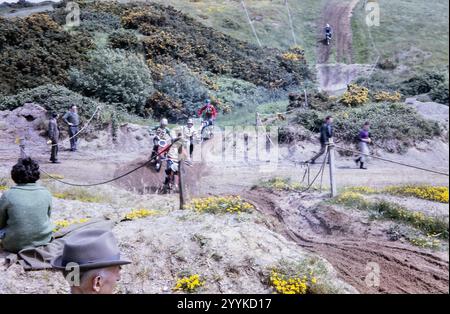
[251, 23]
[291, 23]
[113, 179]
[393, 161]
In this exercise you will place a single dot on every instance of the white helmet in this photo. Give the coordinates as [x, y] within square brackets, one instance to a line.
[164, 122]
[190, 121]
[328, 26]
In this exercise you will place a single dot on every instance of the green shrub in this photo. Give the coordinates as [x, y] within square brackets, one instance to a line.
[423, 83]
[439, 93]
[394, 126]
[123, 39]
[92, 21]
[238, 93]
[117, 77]
[185, 86]
[35, 50]
[160, 105]
[388, 210]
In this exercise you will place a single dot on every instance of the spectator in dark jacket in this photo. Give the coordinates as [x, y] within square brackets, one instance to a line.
[73, 121]
[326, 133]
[53, 134]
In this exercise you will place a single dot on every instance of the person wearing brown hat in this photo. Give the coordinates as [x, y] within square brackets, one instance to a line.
[91, 262]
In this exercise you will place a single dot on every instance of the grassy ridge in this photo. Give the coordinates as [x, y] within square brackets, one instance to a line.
[415, 33]
[270, 20]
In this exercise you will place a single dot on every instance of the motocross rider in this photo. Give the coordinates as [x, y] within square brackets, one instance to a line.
[176, 153]
[209, 113]
[190, 133]
[161, 132]
[328, 31]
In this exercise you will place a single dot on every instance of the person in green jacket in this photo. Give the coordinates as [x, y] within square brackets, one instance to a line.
[25, 209]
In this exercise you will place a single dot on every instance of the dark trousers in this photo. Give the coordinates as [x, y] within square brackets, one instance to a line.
[73, 139]
[55, 149]
[323, 149]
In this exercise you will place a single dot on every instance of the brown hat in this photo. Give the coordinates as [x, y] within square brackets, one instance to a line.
[90, 249]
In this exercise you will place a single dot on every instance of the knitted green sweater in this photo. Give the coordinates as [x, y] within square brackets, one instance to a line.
[25, 217]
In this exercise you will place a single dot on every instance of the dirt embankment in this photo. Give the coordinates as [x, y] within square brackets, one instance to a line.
[350, 242]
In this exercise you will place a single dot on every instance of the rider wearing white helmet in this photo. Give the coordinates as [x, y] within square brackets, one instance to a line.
[162, 133]
[190, 133]
[328, 30]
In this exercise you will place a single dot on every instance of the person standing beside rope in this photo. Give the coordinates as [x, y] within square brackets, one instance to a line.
[53, 134]
[363, 144]
[73, 121]
[326, 133]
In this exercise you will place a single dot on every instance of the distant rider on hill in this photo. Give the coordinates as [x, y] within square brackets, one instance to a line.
[209, 113]
[328, 31]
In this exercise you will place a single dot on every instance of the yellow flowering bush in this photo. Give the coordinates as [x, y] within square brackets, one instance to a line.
[283, 184]
[3, 187]
[352, 199]
[284, 284]
[60, 224]
[216, 205]
[355, 96]
[361, 189]
[189, 284]
[79, 195]
[431, 193]
[294, 54]
[139, 213]
[428, 242]
[384, 96]
[291, 56]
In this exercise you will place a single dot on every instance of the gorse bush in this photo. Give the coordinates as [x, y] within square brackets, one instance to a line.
[394, 127]
[423, 83]
[35, 50]
[355, 95]
[115, 76]
[172, 36]
[123, 39]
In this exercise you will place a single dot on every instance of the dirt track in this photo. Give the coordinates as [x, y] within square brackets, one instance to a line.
[338, 14]
[349, 243]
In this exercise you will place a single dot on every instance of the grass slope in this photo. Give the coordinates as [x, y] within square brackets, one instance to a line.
[270, 18]
[415, 33]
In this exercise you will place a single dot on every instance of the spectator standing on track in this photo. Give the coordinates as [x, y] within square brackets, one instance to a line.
[326, 133]
[53, 134]
[363, 144]
[73, 121]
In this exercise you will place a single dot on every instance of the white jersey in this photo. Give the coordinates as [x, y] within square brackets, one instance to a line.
[189, 132]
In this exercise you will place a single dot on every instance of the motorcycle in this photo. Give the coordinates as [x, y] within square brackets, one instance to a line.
[160, 146]
[170, 184]
[328, 38]
[207, 130]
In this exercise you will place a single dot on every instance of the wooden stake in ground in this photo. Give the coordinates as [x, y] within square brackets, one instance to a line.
[332, 169]
[181, 184]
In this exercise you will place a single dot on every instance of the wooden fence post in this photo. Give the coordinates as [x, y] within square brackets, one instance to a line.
[333, 185]
[181, 184]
